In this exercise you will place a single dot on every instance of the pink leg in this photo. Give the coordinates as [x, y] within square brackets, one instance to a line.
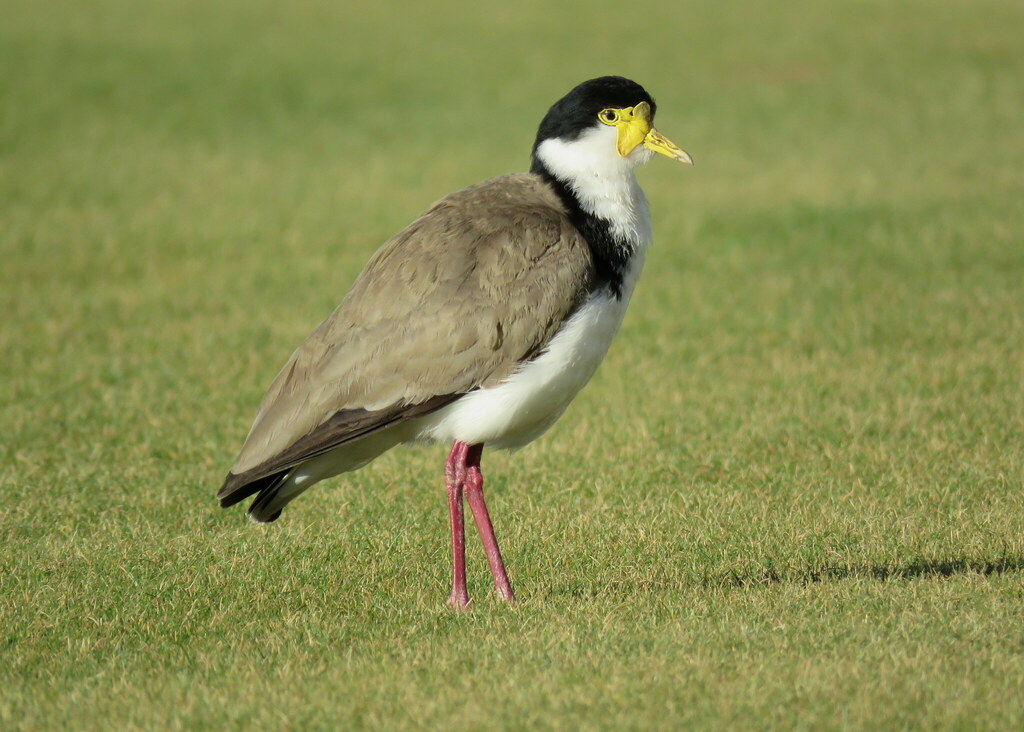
[474, 486]
[455, 479]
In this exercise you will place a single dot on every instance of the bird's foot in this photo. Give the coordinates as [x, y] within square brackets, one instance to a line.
[458, 601]
[505, 595]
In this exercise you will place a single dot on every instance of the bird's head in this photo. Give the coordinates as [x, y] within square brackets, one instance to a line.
[604, 126]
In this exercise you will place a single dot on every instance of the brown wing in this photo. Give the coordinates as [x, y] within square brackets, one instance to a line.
[455, 302]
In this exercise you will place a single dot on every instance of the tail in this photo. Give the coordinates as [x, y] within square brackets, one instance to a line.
[270, 501]
[272, 494]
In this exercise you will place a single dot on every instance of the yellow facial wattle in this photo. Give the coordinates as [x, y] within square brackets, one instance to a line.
[634, 128]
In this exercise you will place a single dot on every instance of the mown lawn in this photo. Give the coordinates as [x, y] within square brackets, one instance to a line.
[792, 497]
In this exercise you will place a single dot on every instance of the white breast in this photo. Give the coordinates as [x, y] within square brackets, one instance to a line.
[522, 408]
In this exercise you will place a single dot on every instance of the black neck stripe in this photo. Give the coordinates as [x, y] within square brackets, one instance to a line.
[611, 253]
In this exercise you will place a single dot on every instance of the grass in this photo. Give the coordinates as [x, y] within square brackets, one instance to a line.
[792, 496]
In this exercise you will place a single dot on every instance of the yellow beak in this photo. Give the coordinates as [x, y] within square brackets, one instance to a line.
[636, 129]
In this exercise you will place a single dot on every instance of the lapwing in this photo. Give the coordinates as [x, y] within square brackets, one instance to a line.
[476, 325]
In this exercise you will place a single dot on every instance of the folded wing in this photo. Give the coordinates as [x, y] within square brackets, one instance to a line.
[455, 302]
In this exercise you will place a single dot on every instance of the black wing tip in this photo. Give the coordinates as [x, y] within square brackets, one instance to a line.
[239, 486]
[268, 520]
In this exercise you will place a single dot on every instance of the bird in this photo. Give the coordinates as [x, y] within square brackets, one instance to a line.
[475, 325]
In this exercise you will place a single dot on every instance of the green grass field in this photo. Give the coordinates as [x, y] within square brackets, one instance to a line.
[792, 497]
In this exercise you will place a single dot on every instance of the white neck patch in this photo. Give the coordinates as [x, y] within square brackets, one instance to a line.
[603, 181]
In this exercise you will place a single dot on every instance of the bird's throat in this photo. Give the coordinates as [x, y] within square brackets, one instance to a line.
[613, 222]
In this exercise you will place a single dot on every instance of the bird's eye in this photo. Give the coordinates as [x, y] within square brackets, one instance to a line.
[607, 116]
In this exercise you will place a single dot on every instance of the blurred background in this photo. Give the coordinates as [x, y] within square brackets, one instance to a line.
[820, 374]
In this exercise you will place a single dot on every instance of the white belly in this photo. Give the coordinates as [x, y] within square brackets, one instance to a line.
[523, 407]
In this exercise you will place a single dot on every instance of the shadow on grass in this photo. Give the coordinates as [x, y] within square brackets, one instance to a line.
[918, 568]
[766, 577]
